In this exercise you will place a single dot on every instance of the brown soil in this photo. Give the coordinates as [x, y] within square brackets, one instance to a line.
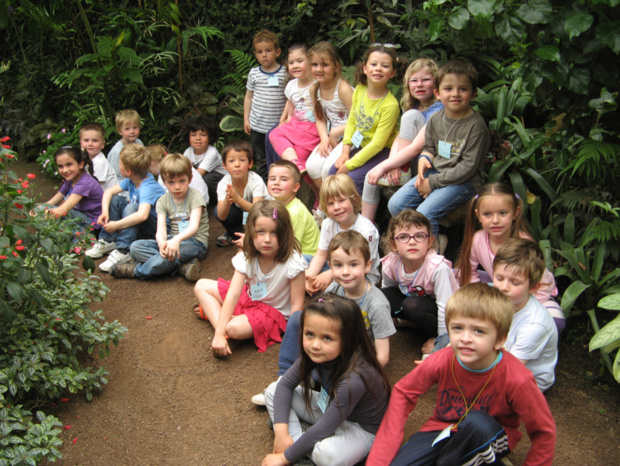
[169, 401]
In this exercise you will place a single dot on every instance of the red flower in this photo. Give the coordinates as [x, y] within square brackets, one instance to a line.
[5, 139]
[64, 400]
[18, 242]
[8, 156]
[2, 257]
[19, 191]
[25, 185]
[14, 254]
[19, 206]
[20, 248]
[74, 441]
[67, 427]
[32, 176]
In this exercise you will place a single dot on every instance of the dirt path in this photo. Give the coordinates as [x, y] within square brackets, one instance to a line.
[169, 401]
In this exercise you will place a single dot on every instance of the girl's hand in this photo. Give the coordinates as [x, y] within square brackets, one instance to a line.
[342, 170]
[274, 460]
[333, 140]
[239, 241]
[393, 176]
[375, 174]
[341, 161]
[220, 347]
[103, 219]
[282, 441]
[325, 148]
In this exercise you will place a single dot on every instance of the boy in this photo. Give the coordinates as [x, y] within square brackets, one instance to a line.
[128, 126]
[237, 191]
[451, 163]
[122, 220]
[533, 337]
[264, 99]
[186, 210]
[483, 393]
[92, 140]
[202, 153]
[282, 185]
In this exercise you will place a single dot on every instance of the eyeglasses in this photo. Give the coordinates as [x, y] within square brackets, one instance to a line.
[418, 237]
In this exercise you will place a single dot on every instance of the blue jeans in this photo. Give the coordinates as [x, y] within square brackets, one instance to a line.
[152, 264]
[119, 209]
[289, 348]
[437, 204]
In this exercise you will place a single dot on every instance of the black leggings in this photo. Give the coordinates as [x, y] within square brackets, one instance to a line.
[420, 310]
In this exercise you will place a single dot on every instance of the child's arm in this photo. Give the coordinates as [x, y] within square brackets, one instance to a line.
[247, 106]
[144, 210]
[220, 344]
[444, 285]
[321, 125]
[235, 198]
[345, 93]
[316, 264]
[223, 208]
[298, 292]
[105, 203]
[161, 236]
[287, 113]
[56, 199]
[66, 206]
[382, 346]
[174, 244]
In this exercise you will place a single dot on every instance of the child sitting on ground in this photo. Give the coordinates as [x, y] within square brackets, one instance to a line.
[342, 203]
[267, 286]
[202, 153]
[128, 127]
[416, 280]
[483, 394]
[186, 211]
[92, 139]
[237, 191]
[123, 220]
[533, 336]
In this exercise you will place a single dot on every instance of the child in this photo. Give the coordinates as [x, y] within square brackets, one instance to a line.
[533, 336]
[237, 191]
[483, 394]
[282, 185]
[128, 127]
[500, 213]
[340, 199]
[457, 139]
[157, 153]
[92, 139]
[331, 97]
[372, 123]
[420, 103]
[349, 261]
[271, 269]
[416, 280]
[202, 153]
[345, 415]
[186, 211]
[297, 134]
[123, 220]
[264, 99]
[79, 195]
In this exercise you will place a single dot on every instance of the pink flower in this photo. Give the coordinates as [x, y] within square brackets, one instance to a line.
[49, 136]
[74, 441]
[32, 176]
[63, 131]
[25, 185]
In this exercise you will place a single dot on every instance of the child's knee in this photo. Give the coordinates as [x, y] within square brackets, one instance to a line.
[204, 285]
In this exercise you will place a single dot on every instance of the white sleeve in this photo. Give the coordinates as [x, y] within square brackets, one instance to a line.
[443, 286]
[240, 263]
[295, 265]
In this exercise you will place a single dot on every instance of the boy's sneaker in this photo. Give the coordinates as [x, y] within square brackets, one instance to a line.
[125, 270]
[100, 249]
[259, 400]
[190, 270]
[404, 177]
[224, 240]
[115, 257]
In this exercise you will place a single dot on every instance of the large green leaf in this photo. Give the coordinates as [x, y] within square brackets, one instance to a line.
[481, 7]
[571, 294]
[548, 52]
[459, 18]
[510, 28]
[611, 302]
[231, 123]
[543, 183]
[576, 23]
[607, 335]
[16, 291]
[536, 12]
[579, 80]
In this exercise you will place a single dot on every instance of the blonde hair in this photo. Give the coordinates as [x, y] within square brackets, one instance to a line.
[483, 302]
[126, 116]
[324, 50]
[339, 186]
[157, 151]
[175, 165]
[349, 241]
[136, 158]
[409, 101]
[524, 256]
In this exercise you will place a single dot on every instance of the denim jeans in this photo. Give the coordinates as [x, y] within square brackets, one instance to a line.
[119, 209]
[289, 348]
[437, 204]
[152, 264]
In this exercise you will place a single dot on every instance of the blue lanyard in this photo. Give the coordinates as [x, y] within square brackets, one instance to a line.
[363, 297]
[265, 274]
[404, 288]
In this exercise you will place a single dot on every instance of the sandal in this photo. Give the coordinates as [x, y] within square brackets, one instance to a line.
[224, 240]
[202, 315]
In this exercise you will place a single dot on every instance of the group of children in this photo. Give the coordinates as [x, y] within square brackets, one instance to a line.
[491, 348]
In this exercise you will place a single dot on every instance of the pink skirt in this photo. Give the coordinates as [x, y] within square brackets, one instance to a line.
[302, 136]
[268, 324]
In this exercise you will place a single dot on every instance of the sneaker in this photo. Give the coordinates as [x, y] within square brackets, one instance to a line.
[318, 216]
[124, 270]
[442, 244]
[100, 249]
[259, 400]
[190, 270]
[224, 240]
[404, 177]
[115, 257]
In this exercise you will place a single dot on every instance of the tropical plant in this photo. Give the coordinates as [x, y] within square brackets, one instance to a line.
[607, 339]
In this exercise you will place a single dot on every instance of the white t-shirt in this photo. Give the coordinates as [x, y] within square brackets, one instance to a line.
[329, 229]
[104, 172]
[198, 183]
[300, 96]
[277, 280]
[533, 337]
[210, 161]
[255, 187]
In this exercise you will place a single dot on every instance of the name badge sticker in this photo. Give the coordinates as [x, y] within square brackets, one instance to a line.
[445, 149]
[273, 81]
[259, 291]
[357, 139]
[323, 401]
[182, 224]
[442, 435]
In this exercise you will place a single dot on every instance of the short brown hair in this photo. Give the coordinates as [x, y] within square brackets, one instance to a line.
[349, 241]
[157, 151]
[265, 36]
[336, 187]
[136, 158]
[239, 146]
[460, 68]
[126, 116]
[484, 302]
[93, 127]
[175, 165]
[295, 173]
[405, 219]
[524, 256]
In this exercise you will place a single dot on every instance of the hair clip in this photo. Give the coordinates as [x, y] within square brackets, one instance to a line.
[320, 300]
[476, 197]
[387, 45]
[517, 196]
[275, 213]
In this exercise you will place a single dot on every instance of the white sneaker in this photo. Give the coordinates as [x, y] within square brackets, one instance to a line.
[318, 216]
[442, 244]
[259, 400]
[100, 249]
[404, 177]
[115, 257]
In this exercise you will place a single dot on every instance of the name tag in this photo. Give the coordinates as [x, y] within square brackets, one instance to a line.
[259, 291]
[245, 217]
[444, 149]
[323, 401]
[183, 224]
[273, 81]
[357, 139]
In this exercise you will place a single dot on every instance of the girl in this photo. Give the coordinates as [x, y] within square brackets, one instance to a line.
[419, 102]
[371, 126]
[80, 194]
[297, 134]
[331, 97]
[416, 280]
[345, 415]
[267, 285]
[499, 212]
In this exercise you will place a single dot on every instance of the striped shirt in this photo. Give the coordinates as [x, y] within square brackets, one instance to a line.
[267, 101]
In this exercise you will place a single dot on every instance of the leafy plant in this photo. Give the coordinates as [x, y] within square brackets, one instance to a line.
[607, 339]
